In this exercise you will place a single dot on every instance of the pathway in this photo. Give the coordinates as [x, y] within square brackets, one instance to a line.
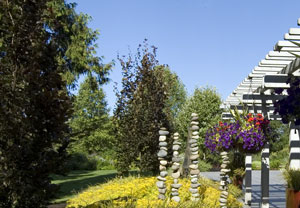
[277, 188]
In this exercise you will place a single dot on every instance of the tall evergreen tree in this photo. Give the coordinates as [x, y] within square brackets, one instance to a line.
[39, 42]
[90, 123]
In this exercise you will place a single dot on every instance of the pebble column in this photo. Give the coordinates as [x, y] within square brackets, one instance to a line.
[223, 181]
[175, 168]
[161, 185]
[194, 170]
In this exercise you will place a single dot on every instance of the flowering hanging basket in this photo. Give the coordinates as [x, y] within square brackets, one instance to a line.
[246, 134]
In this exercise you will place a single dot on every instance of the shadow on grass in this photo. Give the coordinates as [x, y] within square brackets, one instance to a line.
[77, 181]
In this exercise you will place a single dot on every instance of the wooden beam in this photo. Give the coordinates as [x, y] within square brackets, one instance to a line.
[275, 62]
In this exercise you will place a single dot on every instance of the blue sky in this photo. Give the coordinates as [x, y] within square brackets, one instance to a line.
[206, 42]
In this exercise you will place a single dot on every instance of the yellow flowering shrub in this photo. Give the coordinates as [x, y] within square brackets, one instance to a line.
[142, 192]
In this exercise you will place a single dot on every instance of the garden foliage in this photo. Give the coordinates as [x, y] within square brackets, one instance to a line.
[206, 103]
[142, 192]
[40, 41]
[144, 104]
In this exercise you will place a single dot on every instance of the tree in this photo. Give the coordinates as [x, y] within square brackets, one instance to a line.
[90, 123]
[40, 41]
[206, 103]
[144, 105]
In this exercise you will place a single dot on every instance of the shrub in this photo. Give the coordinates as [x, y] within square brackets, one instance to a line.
[142, 192]
[204, 166]
[80, 161]
[256, 165]
[292, 178]
[274, 164]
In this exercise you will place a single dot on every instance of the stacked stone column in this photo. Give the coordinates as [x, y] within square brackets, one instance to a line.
[194, 170]
[175, 168]
[163, 151]
[223, 181]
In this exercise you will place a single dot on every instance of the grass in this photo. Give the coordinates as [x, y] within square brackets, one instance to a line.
[76, 181]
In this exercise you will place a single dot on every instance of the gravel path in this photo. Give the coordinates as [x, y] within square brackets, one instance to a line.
[277, 187]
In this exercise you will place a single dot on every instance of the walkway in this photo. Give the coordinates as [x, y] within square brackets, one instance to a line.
[277, 188]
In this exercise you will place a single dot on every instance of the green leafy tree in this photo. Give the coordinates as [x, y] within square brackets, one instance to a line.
[206, 103]
[90, 123]
[147, 101]
[40, 41]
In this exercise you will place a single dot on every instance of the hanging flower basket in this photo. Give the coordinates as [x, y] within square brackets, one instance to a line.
[246, 134]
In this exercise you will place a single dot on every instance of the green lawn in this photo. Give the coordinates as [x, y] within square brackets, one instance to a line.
[76, 181]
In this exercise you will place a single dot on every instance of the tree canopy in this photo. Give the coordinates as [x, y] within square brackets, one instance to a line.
[42, 45]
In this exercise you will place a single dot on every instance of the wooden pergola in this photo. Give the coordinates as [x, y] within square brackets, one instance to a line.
[256, 92]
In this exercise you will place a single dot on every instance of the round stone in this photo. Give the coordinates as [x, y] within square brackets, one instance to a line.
[195, 137]
[223, 153]
[163, 144]
[177, 186]
[194, 145]
[176, 147]
[162, 132]
[222, 200]
[174, 190]
[194, 172]
[193, 185]
[225, 170]
[195, 195]
[174, 194]
[195, 133]
[176, 174]
[194, 176]
[161, 196]
[193, 166]
[194, 114]
[175, 153]
[176, 159]
[194, 148]
[195, 162]
[176, 198]
[175, 180]
[163, 162]
[164, 148]
[176, 134]
[163, 173]
[160, 184]
[195, 123]
[161, 178]
[194, 152]
[162, 153]
[195, 118]
[162, 167]
[175, 138]
[175, 167]
[194, 157]
[176, 142]
[224, 193]
[223, 166]
[192, 141]
[195, 128]
[162, 191]
[163, 128]
[193, 190]
[194, 180]
[162, 138]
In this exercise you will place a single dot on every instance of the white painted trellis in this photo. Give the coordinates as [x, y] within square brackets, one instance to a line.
[257, 92]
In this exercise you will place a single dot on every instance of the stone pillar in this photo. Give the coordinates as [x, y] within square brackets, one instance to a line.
[161, 185]
[265, 175]
[294, 147]
[194, 169]
[248, 179]
[224, 178]
[175, 168]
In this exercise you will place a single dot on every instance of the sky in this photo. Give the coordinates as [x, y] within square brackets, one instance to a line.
[205, 42]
